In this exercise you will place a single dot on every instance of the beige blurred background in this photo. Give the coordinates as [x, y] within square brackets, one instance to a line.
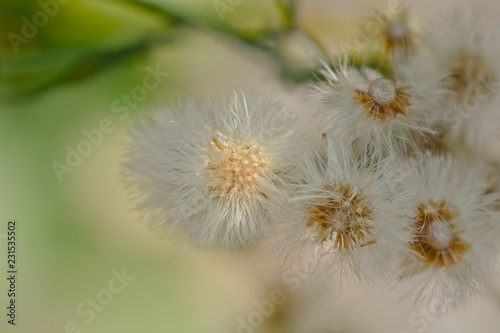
[75, 234]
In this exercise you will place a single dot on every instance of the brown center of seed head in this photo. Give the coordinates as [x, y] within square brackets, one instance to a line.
[237, 166]
[383, 100]
[436, 239]
[470, 76]
[342, 217]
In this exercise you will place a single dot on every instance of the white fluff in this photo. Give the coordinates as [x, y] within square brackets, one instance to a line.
[345, 119]
[377, 189]
[217, 170]
[472, 112]
[463, 187]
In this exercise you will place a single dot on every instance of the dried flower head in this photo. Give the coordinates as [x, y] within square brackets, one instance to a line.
[455, 232]
[349, 217]
[217, 170]
[469, 76]
[367, 110]
[467, 52]
[399, 39]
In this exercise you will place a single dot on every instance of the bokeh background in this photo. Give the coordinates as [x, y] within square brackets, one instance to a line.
[73, 232]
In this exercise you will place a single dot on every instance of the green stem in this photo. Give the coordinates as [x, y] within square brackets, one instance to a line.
[267, 43]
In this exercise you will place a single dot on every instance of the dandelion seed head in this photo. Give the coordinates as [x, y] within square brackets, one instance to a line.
[366, 109]
[347, 219]
[341, 217]
[399, 37]
[238, 166]
[216, 170]
[465, 50]
[470, 76]
[455, 232]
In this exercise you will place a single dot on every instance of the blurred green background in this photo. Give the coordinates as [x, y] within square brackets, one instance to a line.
[77, 68]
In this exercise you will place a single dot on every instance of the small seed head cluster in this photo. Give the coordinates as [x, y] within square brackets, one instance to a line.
[397, 190]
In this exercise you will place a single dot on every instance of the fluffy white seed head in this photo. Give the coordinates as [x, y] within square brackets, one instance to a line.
[466, 53]
[217, 170]
[368, 111]
[455, 233]
[400, 39]
[349, 219]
